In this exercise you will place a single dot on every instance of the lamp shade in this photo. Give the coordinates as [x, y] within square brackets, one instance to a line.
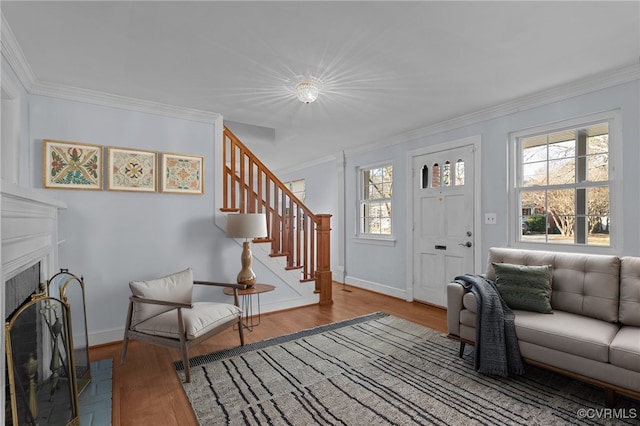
[246, 225]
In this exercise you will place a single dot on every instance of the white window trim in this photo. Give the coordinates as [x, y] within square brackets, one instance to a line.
[365, 238]
[382, 240]
[615, 187]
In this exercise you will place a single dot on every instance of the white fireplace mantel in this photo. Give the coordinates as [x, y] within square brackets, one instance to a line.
[29, 234]
[29, 230]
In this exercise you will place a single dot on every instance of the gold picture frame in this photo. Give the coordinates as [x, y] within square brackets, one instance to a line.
[132, 170]
[182, 173]
[71, 165]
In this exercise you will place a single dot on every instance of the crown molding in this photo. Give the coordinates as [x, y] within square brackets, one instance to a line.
[547, 96]
[21, 67]
[61, 91]
[12, 51]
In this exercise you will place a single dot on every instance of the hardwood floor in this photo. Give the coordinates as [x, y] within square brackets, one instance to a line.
[147, 391]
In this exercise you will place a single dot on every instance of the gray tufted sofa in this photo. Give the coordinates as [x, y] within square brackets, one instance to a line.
[594, 332]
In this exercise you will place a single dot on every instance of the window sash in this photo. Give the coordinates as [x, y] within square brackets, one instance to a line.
[376, 200]
[561, 180]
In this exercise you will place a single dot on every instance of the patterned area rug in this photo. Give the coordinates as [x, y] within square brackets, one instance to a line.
[381, 370]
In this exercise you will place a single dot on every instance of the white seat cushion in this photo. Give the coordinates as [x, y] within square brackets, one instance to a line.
[199, 320]
[567, 332]
[176, 287]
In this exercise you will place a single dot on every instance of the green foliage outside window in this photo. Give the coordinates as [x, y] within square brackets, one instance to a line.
[375, 203]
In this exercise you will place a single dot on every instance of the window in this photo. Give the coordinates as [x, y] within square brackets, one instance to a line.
[458, 171]
[375, 200]
[563, 185]
[297, 187]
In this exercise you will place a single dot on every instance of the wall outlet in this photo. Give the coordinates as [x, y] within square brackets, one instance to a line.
[490, 219]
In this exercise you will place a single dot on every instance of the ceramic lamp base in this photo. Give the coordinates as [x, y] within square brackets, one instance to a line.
[246, 276]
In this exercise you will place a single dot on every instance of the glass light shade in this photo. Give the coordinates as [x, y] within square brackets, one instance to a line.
[307, 91]
[246, 225]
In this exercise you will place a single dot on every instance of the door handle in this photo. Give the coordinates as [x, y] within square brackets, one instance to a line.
[467, 244]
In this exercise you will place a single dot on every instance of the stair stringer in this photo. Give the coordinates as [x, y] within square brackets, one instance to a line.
[304, 292]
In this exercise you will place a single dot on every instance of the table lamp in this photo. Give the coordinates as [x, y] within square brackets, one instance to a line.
[246, 225]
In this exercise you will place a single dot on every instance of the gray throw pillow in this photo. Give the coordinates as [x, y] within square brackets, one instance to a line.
[525, 287]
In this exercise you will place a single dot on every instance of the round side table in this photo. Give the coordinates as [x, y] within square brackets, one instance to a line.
[247, 305]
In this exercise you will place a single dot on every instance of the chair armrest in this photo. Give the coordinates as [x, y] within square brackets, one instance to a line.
[137, 299]
[235, 288]
[455, 293]
[230, 285]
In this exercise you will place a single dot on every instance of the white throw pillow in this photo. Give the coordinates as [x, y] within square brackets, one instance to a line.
[176, 287]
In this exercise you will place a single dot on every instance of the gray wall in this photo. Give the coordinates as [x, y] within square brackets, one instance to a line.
[384, 268]
[113, 237]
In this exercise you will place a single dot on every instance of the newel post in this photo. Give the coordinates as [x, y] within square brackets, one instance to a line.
[324, 278]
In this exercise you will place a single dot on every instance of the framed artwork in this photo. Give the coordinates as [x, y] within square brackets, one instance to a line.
[72, 165]
[132, 170]
[182, 174]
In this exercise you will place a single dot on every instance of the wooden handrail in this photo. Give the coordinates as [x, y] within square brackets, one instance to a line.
[294, 231]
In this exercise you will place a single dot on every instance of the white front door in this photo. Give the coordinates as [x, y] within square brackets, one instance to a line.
[443, 216]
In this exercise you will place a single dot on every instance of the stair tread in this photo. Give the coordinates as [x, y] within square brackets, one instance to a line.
[281, 254]
[262, 240]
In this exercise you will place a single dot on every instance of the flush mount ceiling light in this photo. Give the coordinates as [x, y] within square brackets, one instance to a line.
[308, 89]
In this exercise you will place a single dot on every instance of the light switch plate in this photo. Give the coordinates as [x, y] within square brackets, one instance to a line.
[490, 218]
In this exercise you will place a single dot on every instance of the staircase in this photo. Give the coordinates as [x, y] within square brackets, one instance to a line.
[297, 236]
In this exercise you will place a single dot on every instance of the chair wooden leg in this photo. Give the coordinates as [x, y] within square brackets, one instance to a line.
[125, 341]
[461, 349]
[185, 361]
[183, 347]
[240, 331]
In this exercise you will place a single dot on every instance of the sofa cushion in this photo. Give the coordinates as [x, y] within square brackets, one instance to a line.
[629, 311]
[176, 287]
[524, 287]
[583, 284]
[567, 332]
[625, 348]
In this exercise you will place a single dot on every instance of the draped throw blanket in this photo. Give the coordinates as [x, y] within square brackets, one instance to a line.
[497, 351]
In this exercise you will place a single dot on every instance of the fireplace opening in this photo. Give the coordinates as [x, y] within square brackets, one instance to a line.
[42, 387]
[18, 292]
[39, 358]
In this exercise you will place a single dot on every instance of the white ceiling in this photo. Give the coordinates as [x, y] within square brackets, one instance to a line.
[388, 67]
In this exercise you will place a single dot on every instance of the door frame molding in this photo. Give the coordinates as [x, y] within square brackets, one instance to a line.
[476, 142]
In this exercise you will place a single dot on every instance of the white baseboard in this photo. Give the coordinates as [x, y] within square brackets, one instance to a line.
[102, 337]
[338, 275]
[377, 287]
[281, 305]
